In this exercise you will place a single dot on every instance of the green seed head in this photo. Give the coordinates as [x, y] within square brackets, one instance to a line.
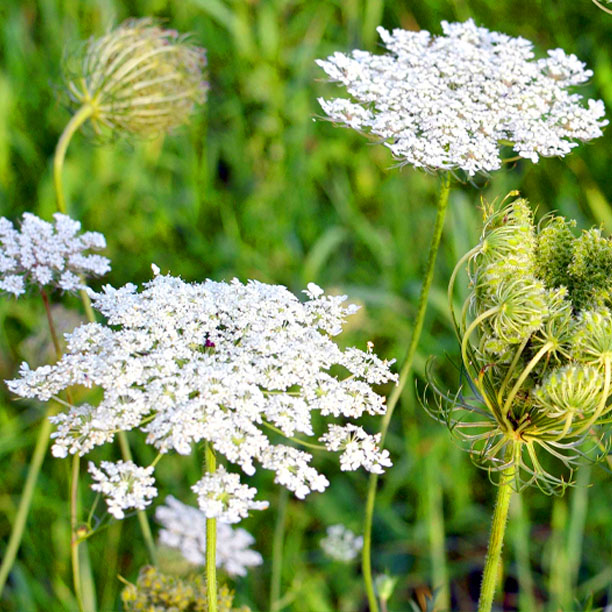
[139, 78]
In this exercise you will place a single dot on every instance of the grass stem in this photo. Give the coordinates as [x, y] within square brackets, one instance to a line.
[277, 550]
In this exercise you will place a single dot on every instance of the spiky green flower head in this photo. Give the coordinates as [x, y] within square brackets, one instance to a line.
[139, 78]
[536, 345]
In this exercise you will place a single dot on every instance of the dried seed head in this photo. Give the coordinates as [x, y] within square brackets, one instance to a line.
[139, 78]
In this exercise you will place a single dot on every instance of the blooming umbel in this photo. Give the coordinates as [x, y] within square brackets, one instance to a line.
[139, 78]
[451, 101]
[48, 254]
[124, 485]
[341, 544]
[222, 363]
[184, 528]
[537, 347]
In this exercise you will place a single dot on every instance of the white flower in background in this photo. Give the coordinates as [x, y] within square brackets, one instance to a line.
[184, 528]
[124, 485]
[221, 496]
[341, 544]
[42, 253]
[217, 362]
[451, 101]
[359, 448]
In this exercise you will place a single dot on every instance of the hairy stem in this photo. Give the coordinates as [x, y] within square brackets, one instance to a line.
[496, 540]
[211, 541]
[397, 391]
[277, 550]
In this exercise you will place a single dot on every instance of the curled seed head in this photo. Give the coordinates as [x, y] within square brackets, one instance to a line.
[138, 78]
[592, 341]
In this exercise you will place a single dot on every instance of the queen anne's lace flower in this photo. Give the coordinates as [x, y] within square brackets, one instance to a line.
[448, 102]
[184, 528]
[341, 544]
[214, 362]
[41, 253]
[124, 485]
[221, 496]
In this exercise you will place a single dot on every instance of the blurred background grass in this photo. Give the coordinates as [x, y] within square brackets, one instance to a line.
[255, 188]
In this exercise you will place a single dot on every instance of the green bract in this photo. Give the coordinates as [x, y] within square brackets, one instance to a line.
[536, 347]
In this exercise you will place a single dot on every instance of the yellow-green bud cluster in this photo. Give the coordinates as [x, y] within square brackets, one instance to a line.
[536, 339]
[138, 78]
[155, 591]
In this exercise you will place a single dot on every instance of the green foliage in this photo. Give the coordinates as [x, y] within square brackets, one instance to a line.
[255, 188]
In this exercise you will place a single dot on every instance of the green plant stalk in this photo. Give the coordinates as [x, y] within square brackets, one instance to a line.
[26, 500]
[277, 550]
[38, 456]
[211, 541]
[366, 555]
[496, 540]
[74, 539]
[78, 119]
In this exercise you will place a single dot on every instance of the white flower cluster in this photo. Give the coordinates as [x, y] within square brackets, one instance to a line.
[184, 528]
[217, 362]
[450, 101]
[48, 254]
[341, 544]
[359, 448]
[221, 496]
[124, 485]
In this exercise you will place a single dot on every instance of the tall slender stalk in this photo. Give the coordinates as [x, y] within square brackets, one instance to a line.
[78, 119]
[74, 540]
[211, 541]
[496, 540]
[403, 377]
[277, 549]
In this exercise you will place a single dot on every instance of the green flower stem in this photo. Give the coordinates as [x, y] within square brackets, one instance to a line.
[74, 540]
[403, 377]
[126, 453]
[211, 541]
[26, 500]
[78, 119]
[496, 540]
[277, 550]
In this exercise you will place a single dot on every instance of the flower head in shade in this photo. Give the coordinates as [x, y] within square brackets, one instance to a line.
[48, 254]
[184, 528]
[138, 78]
[341, 544]
[449, 102]
[225, 363]
[124, 485]
[536, 344]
